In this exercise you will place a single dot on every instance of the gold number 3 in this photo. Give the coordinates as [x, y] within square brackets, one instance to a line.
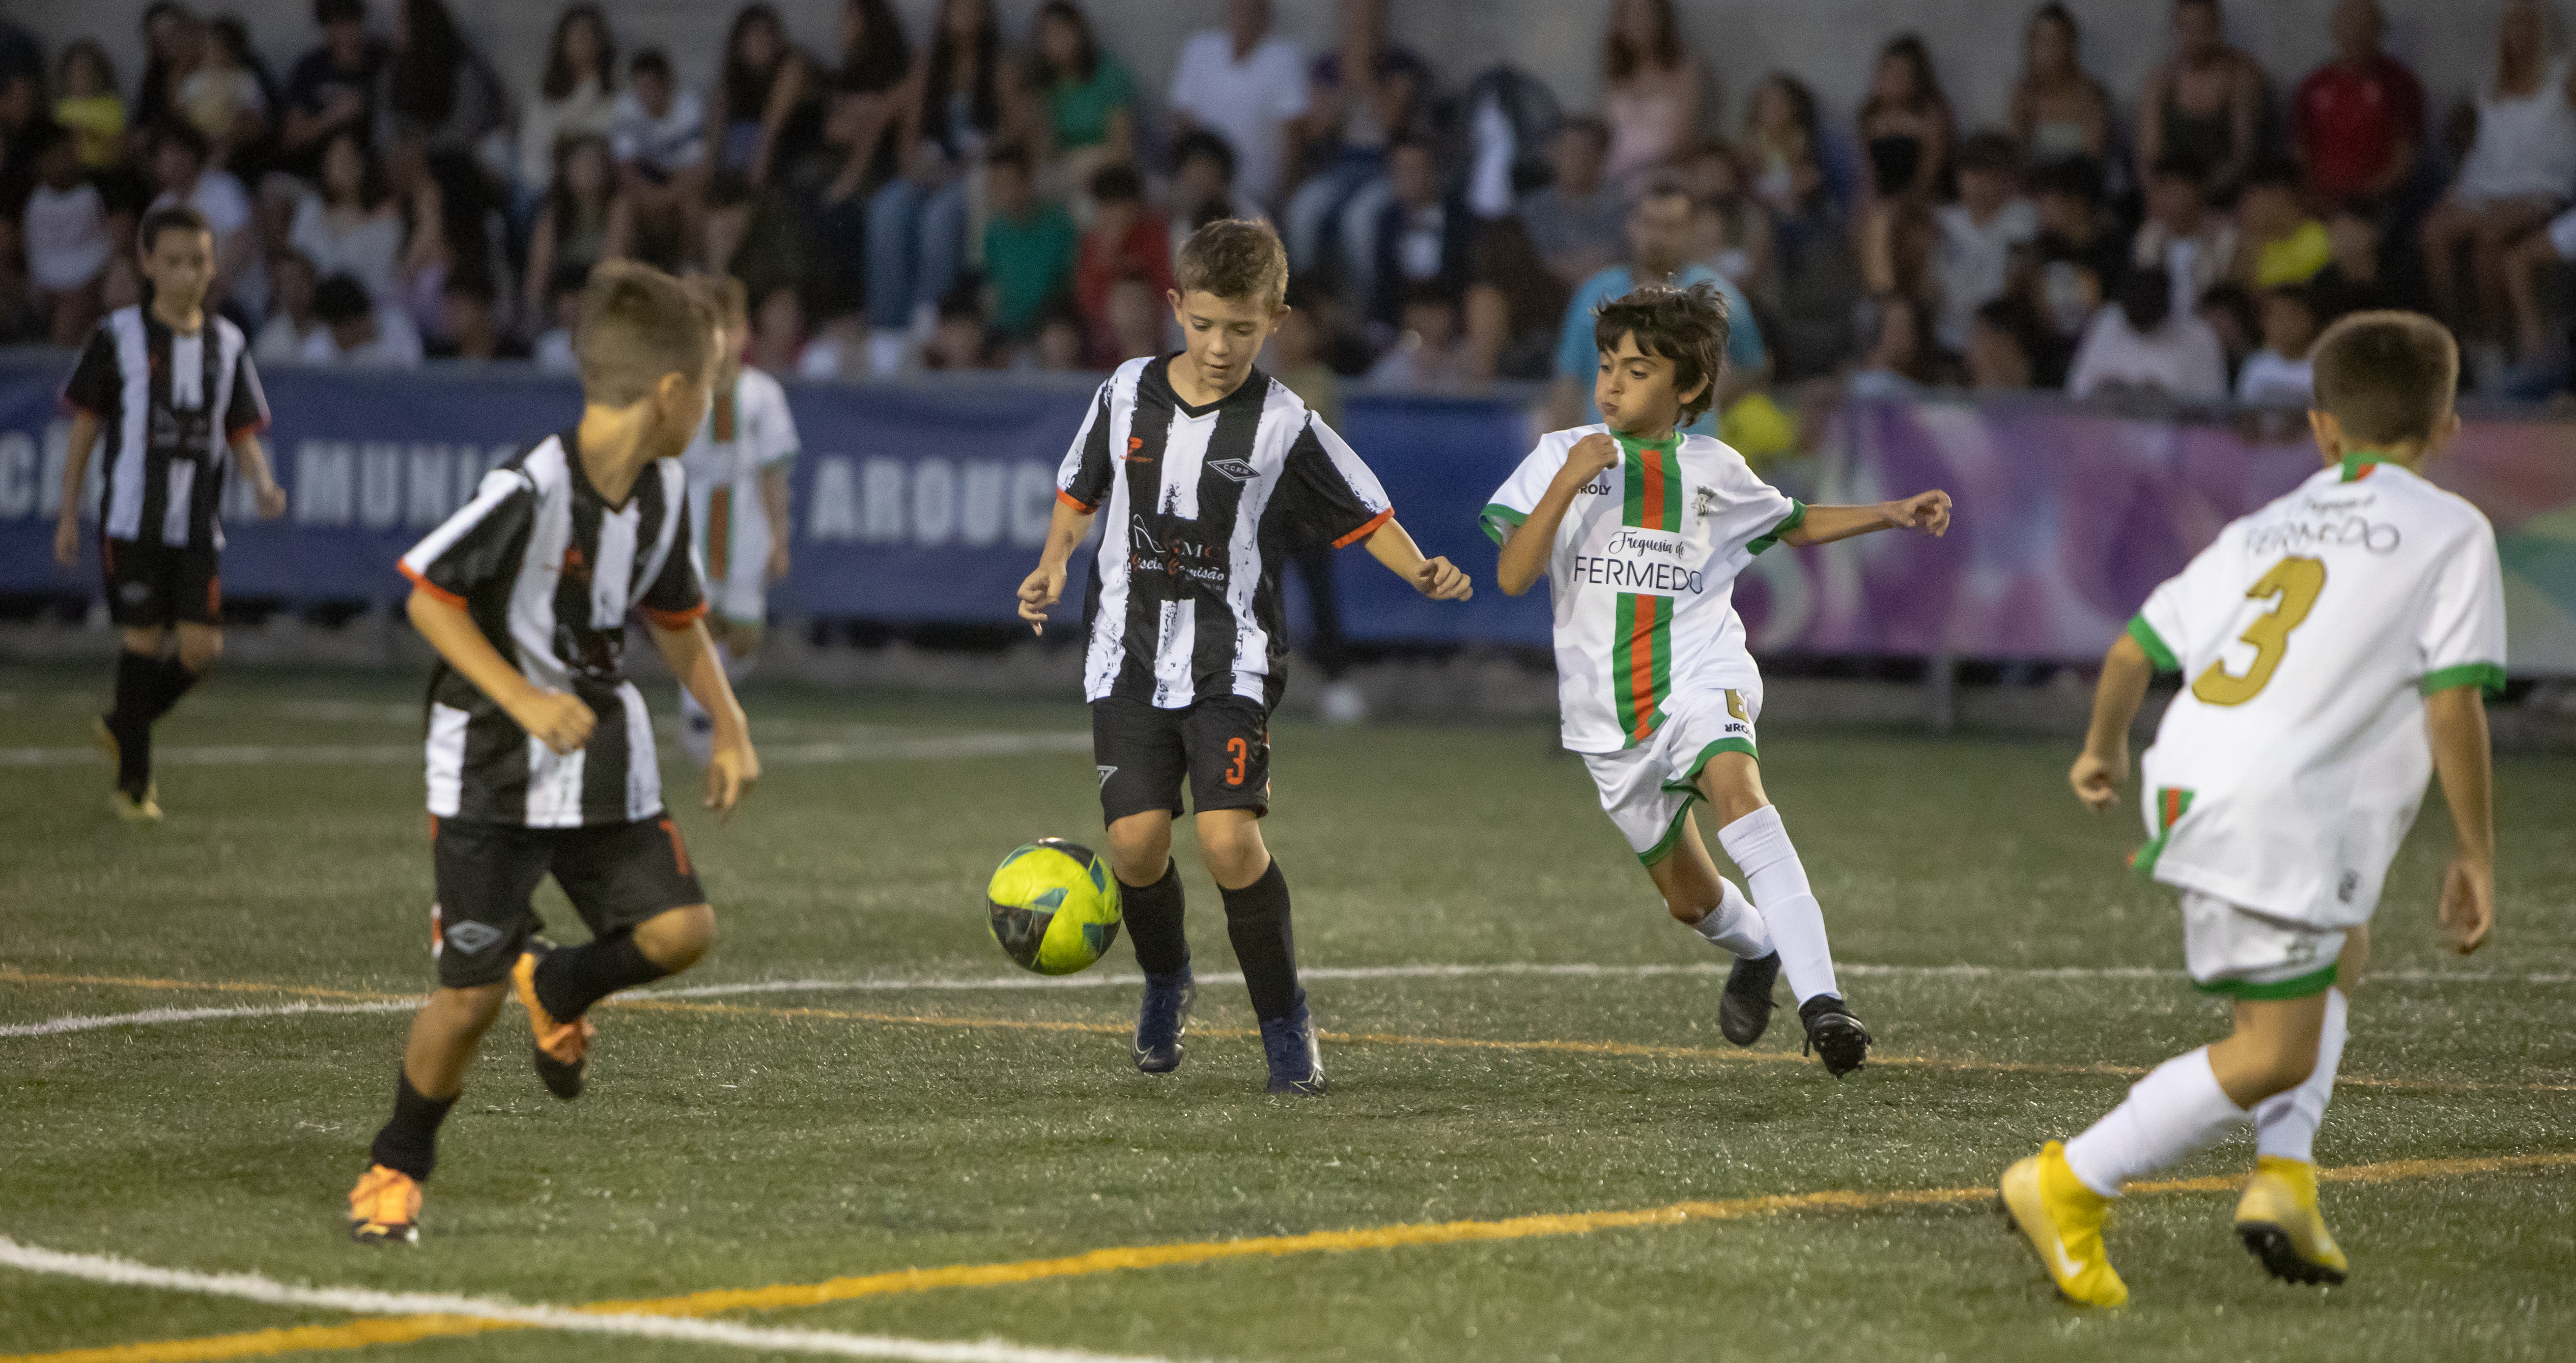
[2297, 581]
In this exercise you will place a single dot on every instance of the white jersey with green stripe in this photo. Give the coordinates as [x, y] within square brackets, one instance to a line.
[746, 433]
[1643, 577]
[2308, 635]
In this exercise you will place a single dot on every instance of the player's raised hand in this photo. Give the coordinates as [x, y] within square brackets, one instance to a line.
[2097, 778]
[1928, 512]
[272, 500]
[2467, 910]
[732, 769]
[1440, 580]
[1591, 455]
[1038, 591]
[559, 719]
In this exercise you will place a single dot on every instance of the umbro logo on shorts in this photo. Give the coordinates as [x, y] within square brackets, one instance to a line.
[471, 937]
[1238, 470]
[1105, 774]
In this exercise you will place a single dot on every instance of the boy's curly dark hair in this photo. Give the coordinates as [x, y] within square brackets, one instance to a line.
[1686, 326]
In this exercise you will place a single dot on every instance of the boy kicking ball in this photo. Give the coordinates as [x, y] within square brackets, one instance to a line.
[540, 750]
[1640, 533]
[2339, 642]
[1209, 470]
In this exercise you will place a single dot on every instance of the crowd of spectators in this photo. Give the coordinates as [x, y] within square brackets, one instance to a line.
[971, 198]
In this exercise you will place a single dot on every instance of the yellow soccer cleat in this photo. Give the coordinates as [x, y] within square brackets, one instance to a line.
[2063, 1221]
[385, 1208]
[145, 808]
[2279, 1222]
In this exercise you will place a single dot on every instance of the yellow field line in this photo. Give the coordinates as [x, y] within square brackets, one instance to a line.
[1626, 1049]
[364, 1333]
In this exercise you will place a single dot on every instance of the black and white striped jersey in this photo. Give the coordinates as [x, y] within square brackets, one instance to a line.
[1200, 506]
[168, 407]
[549, 571]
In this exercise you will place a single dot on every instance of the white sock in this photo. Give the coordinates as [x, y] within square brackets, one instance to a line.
[1736, 925]
[2285, 1124]
[1759, 843]
[2175, 1110]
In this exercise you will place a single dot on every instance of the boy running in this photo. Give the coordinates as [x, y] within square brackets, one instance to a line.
[2339, 642]
[1640, 533]
[1209, 471]
[172, 387]
[540, 751]
[737, 466]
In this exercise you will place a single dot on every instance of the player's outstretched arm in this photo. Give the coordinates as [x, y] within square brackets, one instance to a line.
[2461, 757]
[2103, 766]
[560, 720]
[732, 766]
[84, 436]
[1928, 512]
[1524, 557]
[1045, 587]
[263, 481]
[1436, 578]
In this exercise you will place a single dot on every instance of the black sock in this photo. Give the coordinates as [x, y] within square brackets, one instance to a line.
[1256, 921]
[131, 720]
[569, 981]
[172, 681]
[1153, 914]
[409, 1143]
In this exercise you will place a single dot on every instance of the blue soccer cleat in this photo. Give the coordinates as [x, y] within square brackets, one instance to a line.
[1163, 1021]
[1296, 1067]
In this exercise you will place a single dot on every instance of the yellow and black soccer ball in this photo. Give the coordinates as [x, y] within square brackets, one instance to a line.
[1054, 905]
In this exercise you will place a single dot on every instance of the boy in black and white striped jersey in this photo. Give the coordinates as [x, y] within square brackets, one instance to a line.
[1208, 470]
[540, 750]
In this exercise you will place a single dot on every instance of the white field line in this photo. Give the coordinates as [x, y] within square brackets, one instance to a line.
[928, 748]
[119, 1272]
[151, 1017]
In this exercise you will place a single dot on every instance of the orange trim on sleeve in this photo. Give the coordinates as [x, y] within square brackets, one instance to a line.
[1365, 531]
[256, 425]
[1069, 500]
[428, 586]
[674, 619]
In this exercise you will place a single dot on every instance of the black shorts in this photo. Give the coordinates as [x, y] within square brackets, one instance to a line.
[617, 875]
[1221, 747]
[153, 584]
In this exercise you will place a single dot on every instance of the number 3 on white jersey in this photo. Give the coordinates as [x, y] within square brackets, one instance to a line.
[2296, 581]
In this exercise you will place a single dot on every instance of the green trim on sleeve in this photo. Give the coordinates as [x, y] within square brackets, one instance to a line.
[2304, 986]
[1495, 516]
[2157, 653]
[1797, 517]
[2488, 677]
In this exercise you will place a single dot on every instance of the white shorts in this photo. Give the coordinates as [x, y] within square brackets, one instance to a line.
[2248, 955]
[1648, 789]
[738, 585]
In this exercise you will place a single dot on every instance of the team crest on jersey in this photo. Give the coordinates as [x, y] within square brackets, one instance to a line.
[1237, 470]
[1702, 499]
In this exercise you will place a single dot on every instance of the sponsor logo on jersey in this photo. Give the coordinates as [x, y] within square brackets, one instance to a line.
[1167, 553]
[1236, 470]
[1598, 487]
[470, 937]
[2327, 525]
[1656, 563]
[1135, 443]
[1105, 774]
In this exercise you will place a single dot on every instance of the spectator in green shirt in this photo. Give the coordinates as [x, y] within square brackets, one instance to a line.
[1028, 244]
[1089, 98]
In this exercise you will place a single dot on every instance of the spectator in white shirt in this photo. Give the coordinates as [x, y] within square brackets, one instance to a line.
[357, 332]
[1247, 85]
[2281, 373]
[291, 319]
[1980, 234]
[68, 244]
[351, 227]
[2142, 343]
[659, 140]
[2181, 236]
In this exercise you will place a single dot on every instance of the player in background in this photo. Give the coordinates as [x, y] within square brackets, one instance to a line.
[1641, 532]
[737, 466]
[172, 388]
[2339, 644]
[540, 752]
[1207, 469]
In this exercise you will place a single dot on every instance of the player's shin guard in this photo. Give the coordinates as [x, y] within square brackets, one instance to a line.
[2177, 1109]
[1735, 926]
[2285, 1124]
[1256, 921]
[408, 1143]
[571, 979]
[1760, 845]
[1153, 916]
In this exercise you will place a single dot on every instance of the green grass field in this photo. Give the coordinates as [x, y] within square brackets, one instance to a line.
[753, 1139]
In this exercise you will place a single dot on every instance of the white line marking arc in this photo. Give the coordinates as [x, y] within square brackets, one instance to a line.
[120, 1272]
[926, 748]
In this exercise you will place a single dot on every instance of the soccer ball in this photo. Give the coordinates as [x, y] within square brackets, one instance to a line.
[1055, 906]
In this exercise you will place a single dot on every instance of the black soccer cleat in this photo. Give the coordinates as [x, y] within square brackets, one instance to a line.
[1288, 1043]
[1833, 1034]
[1744, 1010]
[2281, 1257]
[1163, 1021]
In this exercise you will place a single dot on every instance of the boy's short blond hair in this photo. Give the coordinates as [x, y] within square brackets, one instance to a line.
[1237, 259]
[726, 297]
[637, 325]
[2387, 377]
